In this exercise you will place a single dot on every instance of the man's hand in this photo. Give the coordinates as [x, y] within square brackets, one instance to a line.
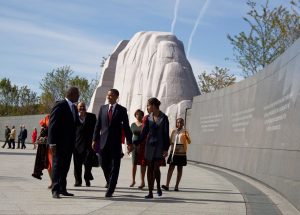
[129, 148]
[94, 145]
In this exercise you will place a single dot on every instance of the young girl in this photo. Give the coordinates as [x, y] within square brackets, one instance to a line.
[179, 141]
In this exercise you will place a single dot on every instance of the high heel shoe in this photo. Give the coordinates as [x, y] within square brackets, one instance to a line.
[165, 187]
[141, 186]
[132, 184]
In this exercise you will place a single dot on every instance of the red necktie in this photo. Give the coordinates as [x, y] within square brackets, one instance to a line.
[110, 113]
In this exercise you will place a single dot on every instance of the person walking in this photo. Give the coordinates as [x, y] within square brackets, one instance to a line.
[179, 141]
[6, 136]
[12, 138]
[43, 158]
[23, 137]
[136, 129]
[20, 136]
[34, 137]
[83, 152]
[61, 139]
[112, 118]
[156, 130]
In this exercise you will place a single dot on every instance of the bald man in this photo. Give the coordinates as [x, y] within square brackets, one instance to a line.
[83, 151]
[61, 139]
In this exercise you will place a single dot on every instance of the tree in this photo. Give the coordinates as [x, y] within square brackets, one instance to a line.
[217, 79]
[103, 60]
[85, 87]
[272, 31]
[56, 82]
[16, 100]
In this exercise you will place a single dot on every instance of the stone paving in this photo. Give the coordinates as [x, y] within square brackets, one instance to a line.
[201, 192]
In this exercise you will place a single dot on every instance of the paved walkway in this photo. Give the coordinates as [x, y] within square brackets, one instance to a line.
[203, 190]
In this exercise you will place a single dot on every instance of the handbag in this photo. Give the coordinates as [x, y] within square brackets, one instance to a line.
[42, 140]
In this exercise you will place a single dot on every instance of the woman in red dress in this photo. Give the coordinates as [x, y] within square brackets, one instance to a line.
[34, 137]
[43, 159]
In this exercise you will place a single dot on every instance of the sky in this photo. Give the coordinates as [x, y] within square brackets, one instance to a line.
[37, 36]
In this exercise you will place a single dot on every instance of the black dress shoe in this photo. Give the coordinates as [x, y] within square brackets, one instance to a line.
[55, 195]
[159, 192]
[149, 196]
[106, 186]
[37, 176]
[87, 183]
[77, 184]
[65, 193]
[108, 195]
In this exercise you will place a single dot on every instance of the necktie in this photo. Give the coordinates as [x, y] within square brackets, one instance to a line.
[110, 113]
[73, 111]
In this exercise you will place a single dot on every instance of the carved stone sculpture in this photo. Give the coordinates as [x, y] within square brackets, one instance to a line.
[153, 64]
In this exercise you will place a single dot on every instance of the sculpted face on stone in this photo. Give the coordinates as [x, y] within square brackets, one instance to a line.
[153, 64]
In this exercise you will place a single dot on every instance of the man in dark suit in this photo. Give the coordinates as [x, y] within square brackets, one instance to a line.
[83, 151]
[61, 139]
[7, 132]
[20, 136]
[23, 137]
[112, 118]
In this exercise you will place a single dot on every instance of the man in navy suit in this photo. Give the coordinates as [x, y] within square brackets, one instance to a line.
[61, 138]
[112, 118]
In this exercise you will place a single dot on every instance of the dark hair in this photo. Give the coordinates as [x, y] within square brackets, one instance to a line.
[154, 101]
[71, 91]
[180, 120]
[139, 111]
[115, 92]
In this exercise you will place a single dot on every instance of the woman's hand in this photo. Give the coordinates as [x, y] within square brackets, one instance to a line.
[129, 148]
[165, 154]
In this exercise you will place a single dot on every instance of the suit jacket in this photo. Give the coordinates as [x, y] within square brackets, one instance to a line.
[84, 133]
[7, 132]
[111, 133]
[62, 127]
[24, 134]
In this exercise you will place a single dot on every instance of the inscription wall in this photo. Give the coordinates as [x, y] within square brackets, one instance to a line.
[253, 127]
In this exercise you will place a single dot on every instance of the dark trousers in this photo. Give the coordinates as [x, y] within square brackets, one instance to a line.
[60, 168]
[19, 142]
[11, 143]
[111, 166]
[23, 144]
[6, 142]
[79, 160]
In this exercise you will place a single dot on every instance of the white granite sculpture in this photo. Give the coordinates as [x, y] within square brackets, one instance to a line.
[153, 64]
[106, 80]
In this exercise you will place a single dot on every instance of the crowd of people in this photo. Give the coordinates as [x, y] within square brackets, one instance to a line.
[69, 130]
[10, 137]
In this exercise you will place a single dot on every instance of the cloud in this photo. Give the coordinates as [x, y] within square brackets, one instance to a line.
[200, 15]
[30, 50]
[175, 15]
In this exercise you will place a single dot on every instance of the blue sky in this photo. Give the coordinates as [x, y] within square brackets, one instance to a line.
[37, 36]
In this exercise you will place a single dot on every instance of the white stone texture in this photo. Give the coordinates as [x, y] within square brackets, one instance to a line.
[153, 64]
[252, 127]
[106, 80]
